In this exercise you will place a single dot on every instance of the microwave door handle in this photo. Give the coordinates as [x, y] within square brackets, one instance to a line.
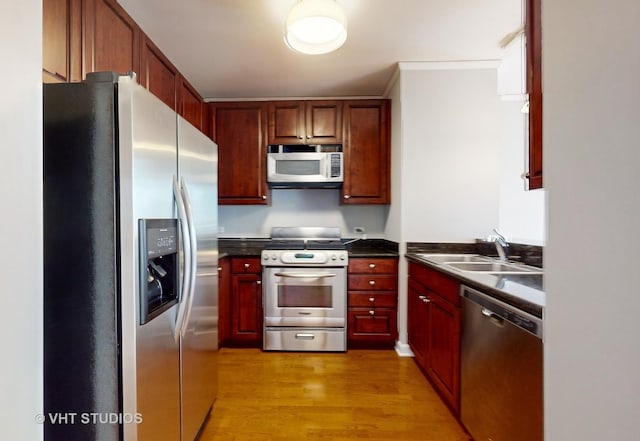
[305, 275]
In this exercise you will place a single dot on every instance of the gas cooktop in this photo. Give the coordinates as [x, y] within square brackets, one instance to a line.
[305, 238]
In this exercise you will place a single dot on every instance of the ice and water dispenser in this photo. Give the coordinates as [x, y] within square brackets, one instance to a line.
[158, 266]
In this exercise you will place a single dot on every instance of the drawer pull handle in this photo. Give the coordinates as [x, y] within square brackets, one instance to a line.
[426, 300]
[372, 313]
[305, 336]
[372, 282]
[246, 265]
[372, 265]
[422, 297]
[372, 299]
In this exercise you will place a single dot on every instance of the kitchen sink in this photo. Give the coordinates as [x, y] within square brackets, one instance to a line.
[494, 267]
[452, 258]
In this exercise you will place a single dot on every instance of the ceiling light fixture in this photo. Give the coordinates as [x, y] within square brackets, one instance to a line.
[315, 27]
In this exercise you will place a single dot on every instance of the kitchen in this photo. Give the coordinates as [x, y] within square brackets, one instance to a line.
[575, 125]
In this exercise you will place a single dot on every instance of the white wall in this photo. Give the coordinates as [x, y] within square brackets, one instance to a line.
[445, 161]
[309, 208]
[591, 60]
[393, 230]
[21, 224]
[522, 213]
[450, 175]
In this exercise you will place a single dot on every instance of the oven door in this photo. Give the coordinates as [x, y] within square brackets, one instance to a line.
[304, 296]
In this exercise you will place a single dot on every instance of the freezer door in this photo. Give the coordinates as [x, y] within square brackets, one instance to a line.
[198, 167]
[151, 354]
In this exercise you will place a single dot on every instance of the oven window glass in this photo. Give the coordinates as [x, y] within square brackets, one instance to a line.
[291, 296]
[297, 168]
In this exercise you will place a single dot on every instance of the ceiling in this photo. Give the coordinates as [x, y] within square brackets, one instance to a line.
[234, 49]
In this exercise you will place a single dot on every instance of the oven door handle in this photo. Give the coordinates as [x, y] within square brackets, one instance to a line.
[305, 275]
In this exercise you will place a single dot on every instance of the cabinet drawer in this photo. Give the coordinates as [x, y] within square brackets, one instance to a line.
[445, 286]
[373, 265]
[373, 299]
[373, 282]
[246, 265]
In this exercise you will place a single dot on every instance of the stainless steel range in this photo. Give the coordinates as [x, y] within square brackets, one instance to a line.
[304, 283]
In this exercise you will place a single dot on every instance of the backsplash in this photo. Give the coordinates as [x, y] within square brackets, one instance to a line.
[295, 208]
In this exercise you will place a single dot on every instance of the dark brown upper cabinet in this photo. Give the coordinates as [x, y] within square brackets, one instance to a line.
[533, 32]
[240, 130]
[305, 122]
[366, 152]
[190, 103]
[61, 41]
[111, 38]
[157, 73]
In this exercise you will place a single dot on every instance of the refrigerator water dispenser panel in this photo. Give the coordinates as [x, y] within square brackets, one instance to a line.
[158, 269]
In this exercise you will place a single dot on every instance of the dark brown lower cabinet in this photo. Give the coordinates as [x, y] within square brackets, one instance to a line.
[240, 302]
[434, 323]
[372, 302]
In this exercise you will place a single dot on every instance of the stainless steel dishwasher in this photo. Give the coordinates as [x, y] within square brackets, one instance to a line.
[501, 364]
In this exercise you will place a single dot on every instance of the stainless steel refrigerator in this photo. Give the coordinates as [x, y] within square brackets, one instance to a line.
[130, 261]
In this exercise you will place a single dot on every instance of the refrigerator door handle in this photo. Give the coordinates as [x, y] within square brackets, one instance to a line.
[186, 273]
[194, 253]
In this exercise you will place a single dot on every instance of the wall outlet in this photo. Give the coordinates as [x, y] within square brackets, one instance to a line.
[359, 230]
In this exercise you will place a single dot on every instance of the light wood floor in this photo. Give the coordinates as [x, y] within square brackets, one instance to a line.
[289, 396]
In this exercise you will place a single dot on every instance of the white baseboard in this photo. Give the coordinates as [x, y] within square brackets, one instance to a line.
[403, 350]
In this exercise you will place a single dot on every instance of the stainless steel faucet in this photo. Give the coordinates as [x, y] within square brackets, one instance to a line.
[501, 243]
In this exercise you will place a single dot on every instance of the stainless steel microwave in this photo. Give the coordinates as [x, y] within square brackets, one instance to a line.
[305, 166]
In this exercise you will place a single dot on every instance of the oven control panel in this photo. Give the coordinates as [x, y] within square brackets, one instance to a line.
[305, 257]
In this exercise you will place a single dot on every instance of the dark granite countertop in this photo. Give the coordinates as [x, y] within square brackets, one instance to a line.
[240, 247]
[357, 248]
[524, 291]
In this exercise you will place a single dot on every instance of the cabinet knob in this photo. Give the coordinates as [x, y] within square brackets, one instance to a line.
[426, 300]
[346, 196]
[300, 137]
[246, 265]
[372, 282]
[422, 297]
[258, 282]
[372, 299]
[372, 265]
[219, 268]
[309, 136]
[372, 312]
[264, 197]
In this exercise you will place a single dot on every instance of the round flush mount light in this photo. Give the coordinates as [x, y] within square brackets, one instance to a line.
[315, 27]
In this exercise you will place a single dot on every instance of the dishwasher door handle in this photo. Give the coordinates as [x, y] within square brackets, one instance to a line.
[493, 317]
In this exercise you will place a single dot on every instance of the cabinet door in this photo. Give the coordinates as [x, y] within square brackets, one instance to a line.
[112, 38]
[190, 103]
[61, 40]
[305, 122]
[366, 152]
[444, 349]
[157, 73]
[418, 322]
[323, 122]
[246, 310]
[286, 122]
[533, 30]
[371, 327]
[240, 130]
